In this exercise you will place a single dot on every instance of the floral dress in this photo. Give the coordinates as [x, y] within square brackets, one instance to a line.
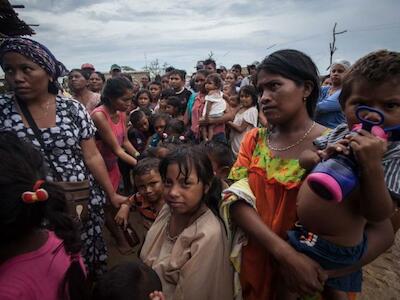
[275, 183]
[73, 125]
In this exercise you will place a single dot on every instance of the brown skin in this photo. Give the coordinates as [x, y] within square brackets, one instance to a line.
[30, 83]
[282, 102]
[371, 201]
[95, 83]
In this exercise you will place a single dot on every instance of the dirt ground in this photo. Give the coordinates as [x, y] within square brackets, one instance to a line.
[382, 276]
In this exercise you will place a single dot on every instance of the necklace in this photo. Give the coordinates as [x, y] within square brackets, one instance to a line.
[167, 233]
[292, 145]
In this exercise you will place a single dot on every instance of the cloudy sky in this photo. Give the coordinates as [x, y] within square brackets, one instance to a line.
[133, 32]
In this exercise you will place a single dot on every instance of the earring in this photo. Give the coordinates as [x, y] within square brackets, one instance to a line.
[304, 99]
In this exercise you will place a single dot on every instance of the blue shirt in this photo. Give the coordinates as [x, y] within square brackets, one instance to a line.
[328, 111]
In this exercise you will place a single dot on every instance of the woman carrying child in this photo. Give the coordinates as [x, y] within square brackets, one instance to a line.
[187, 245]
[268, 168]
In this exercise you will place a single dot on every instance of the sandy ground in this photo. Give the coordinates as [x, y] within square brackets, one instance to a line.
[382, 276]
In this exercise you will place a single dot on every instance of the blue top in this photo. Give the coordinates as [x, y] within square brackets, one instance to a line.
[190, 105]
[328, 111]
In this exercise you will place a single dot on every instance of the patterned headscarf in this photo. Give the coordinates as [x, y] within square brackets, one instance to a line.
[36, 52]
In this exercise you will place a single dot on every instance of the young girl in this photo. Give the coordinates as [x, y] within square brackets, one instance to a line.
[155, 91]
[245, 118]
[159, 122]
[110, 120]
[162, 103]
[35, 263]
[143, 99]
[173, 107]
[139, 131]
[186, 245]
[215, 105]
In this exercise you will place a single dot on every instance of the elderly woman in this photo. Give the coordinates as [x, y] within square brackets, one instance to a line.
[66, 131]
[328, 111]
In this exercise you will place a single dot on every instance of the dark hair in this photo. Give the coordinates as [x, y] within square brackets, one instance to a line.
[142, 91]
[375, 68]
[169, 69]
[101, 75]
[175, 102]
[296, 66]
[127, 281]
[220, 152]
[175, 127]
[249, 90]
[85, 73]
[234, 74]
[127, 76]
[237, 67]
[115, 88]
[157, 83]
[180, 73]
[20, 168]
[216, 79]
[189, 158]
[165, 94]
[136, 116]
[203, 72]
[145, 166]
[159, 116]
[210, 61]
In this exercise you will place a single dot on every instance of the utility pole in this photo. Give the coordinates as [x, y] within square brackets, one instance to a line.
[332, 46]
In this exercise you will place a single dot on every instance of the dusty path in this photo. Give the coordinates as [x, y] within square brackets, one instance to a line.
[382, 277]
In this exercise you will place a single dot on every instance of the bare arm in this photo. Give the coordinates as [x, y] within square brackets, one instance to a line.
[128, 145]
[95, 163]
[239, 128]
[263, 120]
[109, 138]
[309, 159]
[302, 275]
[380, 238]
[228, 116]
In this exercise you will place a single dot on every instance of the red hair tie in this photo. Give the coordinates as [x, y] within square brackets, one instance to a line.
[39, 194]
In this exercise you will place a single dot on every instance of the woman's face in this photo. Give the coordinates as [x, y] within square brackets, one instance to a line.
[27, 79]
[336, 75]
[76, 81]
[184, 196]
[123, 103]
[230, 78]
[199, 81]
[95, 82]
[281, 98]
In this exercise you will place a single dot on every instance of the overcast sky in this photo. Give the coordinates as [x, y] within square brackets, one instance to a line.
[131, 32]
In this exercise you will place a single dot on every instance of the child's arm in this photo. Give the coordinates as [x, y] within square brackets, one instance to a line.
[121, 218]
[208, 109]
[380, 238]
[239, 128]
[376, 204]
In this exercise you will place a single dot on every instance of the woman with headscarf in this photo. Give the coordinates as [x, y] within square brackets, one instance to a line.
[66, 132]
[328, 111]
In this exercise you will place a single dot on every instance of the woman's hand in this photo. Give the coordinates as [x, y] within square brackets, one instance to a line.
[121, 218]
[117, 200]
[301, 274]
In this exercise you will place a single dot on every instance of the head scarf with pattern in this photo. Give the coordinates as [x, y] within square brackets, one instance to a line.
[36, 52]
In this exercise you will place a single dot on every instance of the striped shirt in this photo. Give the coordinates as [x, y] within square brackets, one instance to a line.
[390, 160]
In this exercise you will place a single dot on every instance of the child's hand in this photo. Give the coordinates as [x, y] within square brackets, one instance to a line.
[367, 148]
[121, 218]
[339, 147]
[156, 295]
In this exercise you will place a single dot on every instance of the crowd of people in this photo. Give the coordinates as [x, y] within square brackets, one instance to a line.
[216, 170]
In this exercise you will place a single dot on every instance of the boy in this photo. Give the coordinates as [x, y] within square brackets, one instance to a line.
[177, 82]
[333, 234]
[148, 201]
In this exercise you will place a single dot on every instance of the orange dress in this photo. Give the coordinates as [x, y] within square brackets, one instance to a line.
[275, 183]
